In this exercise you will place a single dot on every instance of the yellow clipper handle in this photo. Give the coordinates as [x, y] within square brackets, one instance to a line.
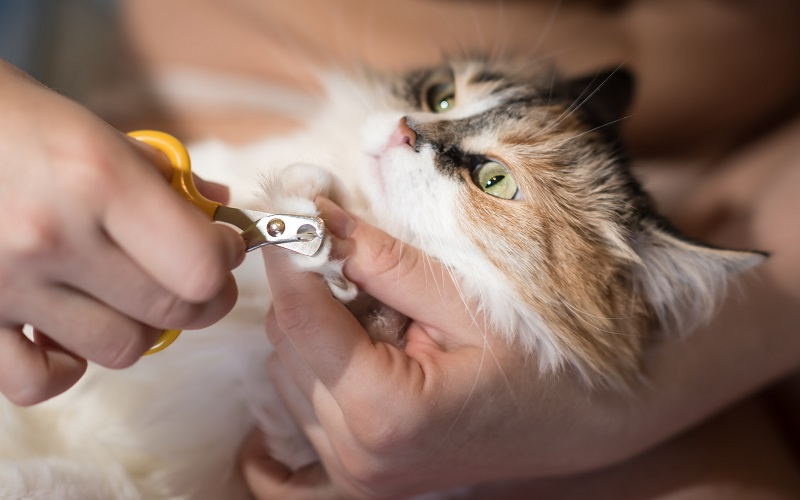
[181, 182]
[164, 340]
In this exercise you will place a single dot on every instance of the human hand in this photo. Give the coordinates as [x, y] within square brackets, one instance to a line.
[458, 406]
[455, 406]
[98, 253]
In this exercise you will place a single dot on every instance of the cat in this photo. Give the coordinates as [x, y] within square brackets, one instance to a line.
[511, 177]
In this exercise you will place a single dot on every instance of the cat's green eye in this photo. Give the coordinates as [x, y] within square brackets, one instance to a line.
[495, 179]
[441, 97]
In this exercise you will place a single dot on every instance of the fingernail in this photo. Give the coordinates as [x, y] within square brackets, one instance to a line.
[337, 220]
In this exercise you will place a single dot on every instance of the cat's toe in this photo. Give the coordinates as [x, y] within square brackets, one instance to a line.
[304, 180]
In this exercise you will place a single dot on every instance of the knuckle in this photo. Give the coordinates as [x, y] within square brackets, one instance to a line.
[274, 335]
[91, 166]
[88, 169]
[33, 391]
[125, 350]
[37, 234]
[379, 436]
[170, 311]
[29, 383]
[203, 286]
[390, 256]
[293, 315]
[366, 474]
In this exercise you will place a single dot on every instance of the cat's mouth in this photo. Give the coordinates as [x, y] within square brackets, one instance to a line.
[374, 171]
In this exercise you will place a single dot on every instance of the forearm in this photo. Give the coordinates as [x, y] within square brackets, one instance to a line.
[742, 351]
[687, 381]
[754, 339]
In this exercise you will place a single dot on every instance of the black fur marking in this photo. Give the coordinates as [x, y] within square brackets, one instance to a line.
[486, 76]
[413, 87]
[601, 99]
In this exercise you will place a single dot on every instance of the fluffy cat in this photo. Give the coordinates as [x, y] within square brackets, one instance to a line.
[515, 181]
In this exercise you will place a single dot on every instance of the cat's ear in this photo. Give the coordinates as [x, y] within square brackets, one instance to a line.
[603, 97]
[684, 281]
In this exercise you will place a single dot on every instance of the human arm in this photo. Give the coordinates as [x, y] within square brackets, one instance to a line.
[446, 411]
[98, 254]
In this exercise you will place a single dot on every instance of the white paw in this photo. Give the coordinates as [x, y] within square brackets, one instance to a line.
[293, 191]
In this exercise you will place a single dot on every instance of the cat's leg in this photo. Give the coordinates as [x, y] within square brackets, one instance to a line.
[293, 190]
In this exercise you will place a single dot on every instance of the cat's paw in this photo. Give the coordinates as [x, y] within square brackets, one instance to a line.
[294, 188]
[293, 191]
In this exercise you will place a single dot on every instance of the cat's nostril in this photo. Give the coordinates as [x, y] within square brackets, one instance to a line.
[408, 132]
[403, 135]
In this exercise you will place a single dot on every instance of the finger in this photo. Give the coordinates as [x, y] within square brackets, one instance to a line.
[314, 410]
[213, 190]
[31, 373]
[157, 158]
[152, 155]
[298, 386]
[136, 294]
[397, 274]
[301, 373]
[268, 478]
[85, 326]
[321, 421]
[170, 240]
[327, 337]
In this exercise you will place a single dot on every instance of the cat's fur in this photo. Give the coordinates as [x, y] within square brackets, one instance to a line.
[576, 270]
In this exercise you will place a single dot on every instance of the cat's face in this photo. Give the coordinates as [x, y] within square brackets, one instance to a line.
[513, 180]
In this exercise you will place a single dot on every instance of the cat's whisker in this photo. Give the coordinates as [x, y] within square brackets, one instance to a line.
[542, 122]
[582, 316]
[565, 140]
[590, 315]
[473, 312]
[463, 50]
[551, 20]
[485, 350]
[499, 42]
[434, 237]
[578, 103]
[477, 30]
[488, 346]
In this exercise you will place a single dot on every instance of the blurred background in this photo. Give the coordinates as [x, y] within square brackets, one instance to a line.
[87, 51]
[70, 45]
[78, 48]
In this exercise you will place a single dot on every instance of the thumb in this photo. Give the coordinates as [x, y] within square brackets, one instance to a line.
[398, 274]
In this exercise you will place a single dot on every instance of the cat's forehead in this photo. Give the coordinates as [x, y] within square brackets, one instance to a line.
[498, 77]
[479, 79]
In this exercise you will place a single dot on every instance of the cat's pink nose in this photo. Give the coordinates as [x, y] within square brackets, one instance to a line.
[403, 135]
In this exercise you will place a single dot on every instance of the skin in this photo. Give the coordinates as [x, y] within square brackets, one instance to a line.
[84, 260]
[721, 148]
[367, 407]
[370, 410]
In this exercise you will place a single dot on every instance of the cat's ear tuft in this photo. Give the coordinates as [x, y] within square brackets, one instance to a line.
[685, 281]
[603, 97]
